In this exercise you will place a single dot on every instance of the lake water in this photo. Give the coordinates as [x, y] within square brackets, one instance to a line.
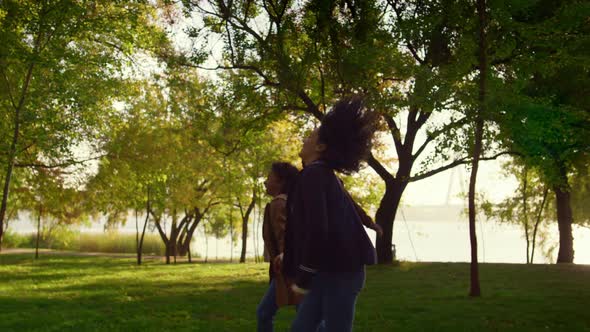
[420, 236]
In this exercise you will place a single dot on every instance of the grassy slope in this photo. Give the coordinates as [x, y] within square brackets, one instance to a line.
[109, 294]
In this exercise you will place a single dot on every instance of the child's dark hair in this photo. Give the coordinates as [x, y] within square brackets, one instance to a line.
[347, 131]
[287, 173]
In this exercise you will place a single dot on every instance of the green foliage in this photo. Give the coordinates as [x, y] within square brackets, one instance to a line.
[63, 63]
[219, 224]
[16, 240]
[529, 207]
[180, 143]
[75, 54]
[541, 96]
[153, 147]
[65, 238]
[404, 57]
[46, 194]
[114, 242]
[366, 189]
[60, 237]
[246, 134]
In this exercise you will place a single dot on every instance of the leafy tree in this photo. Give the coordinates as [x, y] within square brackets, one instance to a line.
[527, 207]
[406, 57]
[272, 144]
[478, 132]
[542, 96]
[61, 66]
[154, 149]
[55, 203]
[248, 135]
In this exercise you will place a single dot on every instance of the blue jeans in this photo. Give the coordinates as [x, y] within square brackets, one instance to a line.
[267, 309]
[329, 305]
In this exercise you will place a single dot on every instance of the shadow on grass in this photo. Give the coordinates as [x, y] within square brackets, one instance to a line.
[125, 303]
[103, 294]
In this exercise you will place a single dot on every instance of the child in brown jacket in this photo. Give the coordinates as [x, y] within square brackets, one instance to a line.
[279, 180]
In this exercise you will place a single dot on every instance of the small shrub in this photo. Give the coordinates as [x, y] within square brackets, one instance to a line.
[68, 239]
[16, 240]
[113, 242]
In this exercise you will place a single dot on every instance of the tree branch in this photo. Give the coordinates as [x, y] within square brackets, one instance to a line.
[210, 204]
[379, 168]
[64, 164]
[312, 108]
[461, 161]
[294, 108]
[409, 45]
[395, 132]
[267, 81]
[8, 88]
[185, 220]
[422, 118]
[227, 15]
[432, 136]
[158, 226]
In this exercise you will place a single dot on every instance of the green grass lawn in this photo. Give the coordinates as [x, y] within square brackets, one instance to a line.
[112, 294]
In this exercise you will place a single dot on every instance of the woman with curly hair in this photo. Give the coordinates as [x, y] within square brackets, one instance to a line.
[326, 246]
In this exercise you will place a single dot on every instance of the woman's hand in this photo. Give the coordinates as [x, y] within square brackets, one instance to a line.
[377, 229]
[298, 290]
[277, 263]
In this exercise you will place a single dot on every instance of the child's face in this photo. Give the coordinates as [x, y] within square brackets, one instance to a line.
[273, 184]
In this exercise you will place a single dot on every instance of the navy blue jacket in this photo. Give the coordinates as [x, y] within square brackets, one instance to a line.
[324, 231]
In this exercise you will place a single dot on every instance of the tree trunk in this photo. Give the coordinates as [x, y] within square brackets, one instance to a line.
[38, 233]
[168, 254]
[137, 238]
[564, 222]
[206, 243]
[15, 138]
[528, 245]
[7, 179]
[173, 235]
[254, 234]
[231, 238]
[474, 267]
[245, 218]
[385, 218]
[188, 240]
[157, 220]
[475, 290]
[8, 175]
[256, 226]
[525, 213]
[184, 241]
[538, 221]
[140, 243]
[190, 259]
[244, 240]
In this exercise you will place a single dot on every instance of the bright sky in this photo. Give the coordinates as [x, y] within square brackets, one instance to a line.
[452, 183]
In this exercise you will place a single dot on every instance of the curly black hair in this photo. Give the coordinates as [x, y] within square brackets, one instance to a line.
[347, 131]
[287, 173]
